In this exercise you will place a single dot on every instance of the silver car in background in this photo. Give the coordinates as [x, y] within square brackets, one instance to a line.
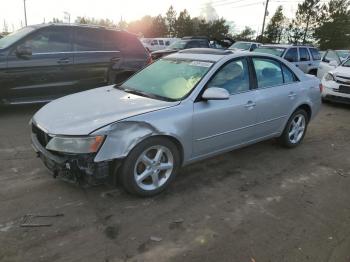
[186, 107]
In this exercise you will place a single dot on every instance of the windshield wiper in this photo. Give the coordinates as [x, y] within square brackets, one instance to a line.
[144, 94]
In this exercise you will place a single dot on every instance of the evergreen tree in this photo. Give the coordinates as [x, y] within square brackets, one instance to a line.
[274, 29]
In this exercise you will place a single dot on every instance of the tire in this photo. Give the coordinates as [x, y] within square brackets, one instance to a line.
[290, 140]
[142, 172]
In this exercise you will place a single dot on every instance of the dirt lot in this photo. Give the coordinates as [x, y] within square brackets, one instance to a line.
[261, 203]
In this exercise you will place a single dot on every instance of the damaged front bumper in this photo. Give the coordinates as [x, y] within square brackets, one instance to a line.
[76, 168]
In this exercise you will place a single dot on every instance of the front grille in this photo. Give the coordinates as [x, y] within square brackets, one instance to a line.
[42, 137]
[343, 80]
[343, 89]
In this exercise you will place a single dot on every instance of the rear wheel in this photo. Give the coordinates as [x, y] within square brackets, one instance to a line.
[295, 129]
[150, 167]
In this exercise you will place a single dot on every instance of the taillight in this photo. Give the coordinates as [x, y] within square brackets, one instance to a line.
[149, 59]
[321, 88]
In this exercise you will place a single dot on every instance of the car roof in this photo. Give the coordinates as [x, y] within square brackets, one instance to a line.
[75, 25]
[212, 55]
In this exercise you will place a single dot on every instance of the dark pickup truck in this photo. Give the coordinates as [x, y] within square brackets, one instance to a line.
[43, 62]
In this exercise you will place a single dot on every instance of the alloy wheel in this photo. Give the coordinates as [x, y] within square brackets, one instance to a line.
[153, 167]
[297, 129]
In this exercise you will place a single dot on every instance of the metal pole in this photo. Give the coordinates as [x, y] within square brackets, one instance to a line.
[25, 12]
[265, 14]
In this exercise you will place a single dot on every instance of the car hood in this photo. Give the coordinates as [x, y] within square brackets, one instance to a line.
[83, 113]
[342, 71]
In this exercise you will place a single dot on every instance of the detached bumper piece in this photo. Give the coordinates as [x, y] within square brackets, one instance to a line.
[78, 169]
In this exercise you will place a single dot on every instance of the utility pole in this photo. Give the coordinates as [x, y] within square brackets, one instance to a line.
[25, 12]
[265, 14]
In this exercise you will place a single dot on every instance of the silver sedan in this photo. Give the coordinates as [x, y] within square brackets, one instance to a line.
[186, 107]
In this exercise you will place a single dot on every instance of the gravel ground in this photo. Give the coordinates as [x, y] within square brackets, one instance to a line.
[260, 203]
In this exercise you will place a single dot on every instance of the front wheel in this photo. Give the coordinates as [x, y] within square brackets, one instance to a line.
[295, 129]
[150, 167]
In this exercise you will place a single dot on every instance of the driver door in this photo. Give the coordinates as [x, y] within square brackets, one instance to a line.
[223, 124]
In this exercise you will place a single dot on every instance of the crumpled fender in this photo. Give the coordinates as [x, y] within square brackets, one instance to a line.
[122, 137]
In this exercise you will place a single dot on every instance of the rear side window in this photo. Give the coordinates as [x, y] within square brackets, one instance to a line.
[268, 72]
[112, 41]
[161, 42]
[288, 75]
[88, 39]
[50, 40]
[292, 55]
[130, 44]
[315, 54]
[304, 54]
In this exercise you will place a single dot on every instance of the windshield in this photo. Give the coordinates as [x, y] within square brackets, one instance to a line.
[167, 79]
[343, 54]
[277, 51]
[240, 45]
[13, 37]
[178, 45]
[347, 63]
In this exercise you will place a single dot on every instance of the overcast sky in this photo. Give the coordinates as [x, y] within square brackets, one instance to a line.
[241, 12]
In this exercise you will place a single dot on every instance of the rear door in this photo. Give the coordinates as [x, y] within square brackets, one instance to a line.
[92, 62]
[277, 93]
[305, 62]
[47, 73]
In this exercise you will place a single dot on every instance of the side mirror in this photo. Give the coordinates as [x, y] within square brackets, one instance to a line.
[23, 51]
[215, 93]
[333, 63]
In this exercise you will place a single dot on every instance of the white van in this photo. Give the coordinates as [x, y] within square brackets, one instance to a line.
[155, 44]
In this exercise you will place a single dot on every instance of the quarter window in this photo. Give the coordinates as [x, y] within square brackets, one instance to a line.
[304, 54]
[50, 41]
[315, 54]
[288, 75]
[87, 39]
[292, 55]
[234, 77]
[268, 72]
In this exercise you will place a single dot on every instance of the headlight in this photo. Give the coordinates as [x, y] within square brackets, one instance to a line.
[329, 77]
[75, 145]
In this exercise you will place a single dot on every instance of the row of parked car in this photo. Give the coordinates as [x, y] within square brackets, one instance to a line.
[190, 105]
[329, 66]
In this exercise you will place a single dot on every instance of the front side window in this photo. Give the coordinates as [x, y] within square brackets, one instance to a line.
[178, 45]
[88, 39]
[193, 44]
[292, 55]
[234, 77]
[50, 40]
[161, 42]
[168, 79]
[304, 54]
[268, 72]
[331, 56]
[240, 45]
[167, 43]
[15, 36]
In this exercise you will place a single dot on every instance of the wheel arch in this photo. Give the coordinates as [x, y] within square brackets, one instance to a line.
[307, 108]
[125, 136]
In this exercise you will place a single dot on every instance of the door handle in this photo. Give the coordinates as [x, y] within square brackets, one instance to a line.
[250, 105]
[292, 95]
[115, 59]
[309, 64]
[63, 61]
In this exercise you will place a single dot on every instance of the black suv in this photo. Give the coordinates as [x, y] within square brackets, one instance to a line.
[185, 43]
[43, 62]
